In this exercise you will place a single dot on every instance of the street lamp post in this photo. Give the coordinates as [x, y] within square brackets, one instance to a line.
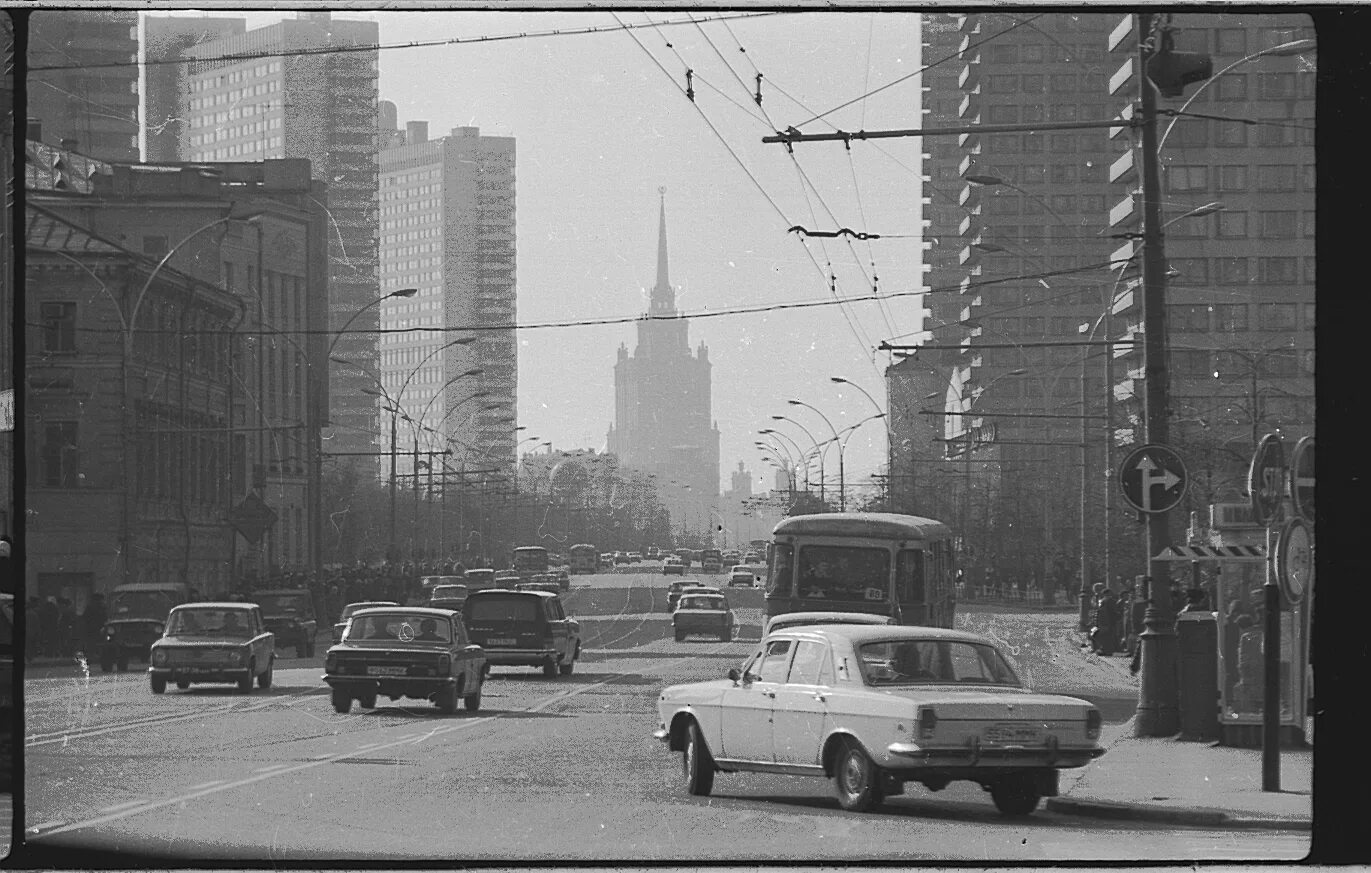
[817, 450]
[842, 496]
[889, 440]
[798, 456]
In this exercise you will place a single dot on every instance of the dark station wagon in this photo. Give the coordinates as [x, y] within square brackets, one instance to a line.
[524, 628]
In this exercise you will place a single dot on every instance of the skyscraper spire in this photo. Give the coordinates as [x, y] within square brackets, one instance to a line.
[663, 298]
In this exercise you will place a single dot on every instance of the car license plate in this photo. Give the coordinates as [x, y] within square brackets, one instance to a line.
[1010, 733]
[501, 641]
[387, 671]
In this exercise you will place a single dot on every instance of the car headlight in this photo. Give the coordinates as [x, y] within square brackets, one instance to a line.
[235, 657]
[159, 657]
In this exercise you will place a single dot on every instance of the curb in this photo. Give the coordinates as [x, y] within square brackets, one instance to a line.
[1193, 816]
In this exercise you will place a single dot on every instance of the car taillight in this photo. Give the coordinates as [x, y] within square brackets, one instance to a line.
[1093, 720]
[444, 664]
[926, 722]
[330, 663]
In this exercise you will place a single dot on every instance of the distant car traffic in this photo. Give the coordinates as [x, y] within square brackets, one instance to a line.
[703, 614]
[405, 651]
[289, 614]
[524, 628]
[743, 579]
[541, 582]
[635, 558]
[213, 642]
[137, 617]
[796, 619]
[672, 566]
[673, 594]
[342, 622]
[876, 707]
[563, 579]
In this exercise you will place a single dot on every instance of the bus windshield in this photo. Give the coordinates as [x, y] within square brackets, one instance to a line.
[843, 573]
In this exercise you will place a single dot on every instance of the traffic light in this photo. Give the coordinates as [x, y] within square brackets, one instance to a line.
[1171, 70]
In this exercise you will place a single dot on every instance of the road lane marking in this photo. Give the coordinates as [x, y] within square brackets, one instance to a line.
[268, 769]
[44, 739]
[33, 829]
[209, 784]
[187, 795]
[121, 806]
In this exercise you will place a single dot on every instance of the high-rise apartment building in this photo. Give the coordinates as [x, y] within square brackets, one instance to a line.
[1035, 269]
[82, 85]
[285, 95]
[662, 420]
[448, 230]
[166, 106]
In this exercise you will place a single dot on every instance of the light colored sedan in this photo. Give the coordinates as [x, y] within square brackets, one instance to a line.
[796, 619]
[341, 624]
[874, 707]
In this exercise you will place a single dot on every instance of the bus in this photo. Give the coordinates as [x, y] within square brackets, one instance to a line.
[584, 558]
[711, 561]
[529, 561]
[875, 562]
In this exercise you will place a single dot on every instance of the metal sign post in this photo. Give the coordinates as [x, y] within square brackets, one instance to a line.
[1265, 486]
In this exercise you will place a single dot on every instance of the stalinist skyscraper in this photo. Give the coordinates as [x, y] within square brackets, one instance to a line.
[662, 419]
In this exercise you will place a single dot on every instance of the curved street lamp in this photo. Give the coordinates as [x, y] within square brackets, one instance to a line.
[800, 454]
[1285, 49]
[842, 491]
[817, 450]
[338, 334]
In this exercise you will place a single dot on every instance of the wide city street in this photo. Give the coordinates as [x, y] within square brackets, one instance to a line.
[550, 769]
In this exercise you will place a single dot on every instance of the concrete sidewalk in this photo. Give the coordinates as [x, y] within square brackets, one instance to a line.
[1190, 783]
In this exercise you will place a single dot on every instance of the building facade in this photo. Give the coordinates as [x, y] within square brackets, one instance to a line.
[82, 85]
[662, 419]
[292, 98]
[1032, 279]
[129, 392]
[256, 233]
[448, 230]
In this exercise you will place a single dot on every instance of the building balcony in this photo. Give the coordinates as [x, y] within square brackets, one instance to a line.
[1122, 76]
[1124, 170]
[1124, 213]
[1118, 37]
[1125, 114]
[971, 73]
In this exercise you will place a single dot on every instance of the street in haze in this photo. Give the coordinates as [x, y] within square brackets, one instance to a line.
[549, 769]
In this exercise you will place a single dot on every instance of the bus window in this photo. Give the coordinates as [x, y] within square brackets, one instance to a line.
[843, 573]
[779, 579]
[909, 577]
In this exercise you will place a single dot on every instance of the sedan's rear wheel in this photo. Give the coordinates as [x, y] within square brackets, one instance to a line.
[182, 684]
[550, 667]
[245, 681]
[1015, 795]
[697, 763]
[856, 779]
[159, 684]
[680, 637]
[342, 701]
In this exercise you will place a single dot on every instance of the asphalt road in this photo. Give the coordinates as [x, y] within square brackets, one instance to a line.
[560, 769]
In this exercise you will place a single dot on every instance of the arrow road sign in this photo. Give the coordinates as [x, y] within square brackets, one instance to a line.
[1153, 478]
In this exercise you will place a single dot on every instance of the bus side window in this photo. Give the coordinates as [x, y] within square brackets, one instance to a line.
[909, 577]
[780, 576]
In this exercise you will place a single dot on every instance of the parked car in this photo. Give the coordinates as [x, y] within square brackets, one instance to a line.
[703, 614]
[289, 613]
[479, 577]
[417, 652]
[620, 558]
[876, 707]
[524, 628]
[213, 642]
[796, 619]
[341, 624]
[672, 566]
[135, 618]
[448, 592]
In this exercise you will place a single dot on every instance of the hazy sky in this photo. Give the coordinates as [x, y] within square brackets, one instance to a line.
[600, 126]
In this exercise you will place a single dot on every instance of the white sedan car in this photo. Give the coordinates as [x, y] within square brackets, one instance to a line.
[874, 707]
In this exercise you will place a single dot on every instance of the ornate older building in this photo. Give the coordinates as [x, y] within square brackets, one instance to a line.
[662, 420]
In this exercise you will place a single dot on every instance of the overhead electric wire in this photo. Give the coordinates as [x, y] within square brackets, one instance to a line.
[608, 320]
[348, 49]
[922, 69]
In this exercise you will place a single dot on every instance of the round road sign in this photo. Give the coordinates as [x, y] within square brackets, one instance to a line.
[1153, 478]
[1264, 478]
[1302, 479]
[1295, 559]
